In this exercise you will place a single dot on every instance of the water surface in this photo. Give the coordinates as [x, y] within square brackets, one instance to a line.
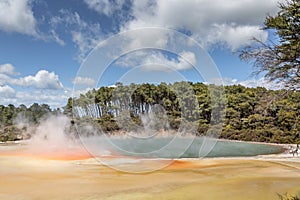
[190, 148]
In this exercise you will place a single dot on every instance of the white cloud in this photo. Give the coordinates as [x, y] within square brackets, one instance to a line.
[84, 35]
[234, 36]
[77, 92]
[188, 56]
[4, 79]
[105, 7]
[144, 38]
[85, 41]
[157, 61]
[7, 92]
[17, 16]
[54, 99]
[262, 82]
[56, 38]
[8, 69]
[251, 83]
[43, 87]
[42, 80]
[84, 81]
[232, 23]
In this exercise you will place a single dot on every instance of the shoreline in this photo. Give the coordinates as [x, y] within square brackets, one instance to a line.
[285, 147]
[211, 178]
[164, 134]
[284, 155]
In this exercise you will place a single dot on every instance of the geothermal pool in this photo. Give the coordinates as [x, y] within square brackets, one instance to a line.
[69, 172]
[168, 147]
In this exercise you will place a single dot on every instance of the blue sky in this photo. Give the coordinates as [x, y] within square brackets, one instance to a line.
[43, 43]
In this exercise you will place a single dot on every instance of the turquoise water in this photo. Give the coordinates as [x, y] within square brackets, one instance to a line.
[190, 148]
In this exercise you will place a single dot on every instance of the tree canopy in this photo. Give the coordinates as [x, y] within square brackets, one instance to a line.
[11, 117]
[254, 114]
[280, 59]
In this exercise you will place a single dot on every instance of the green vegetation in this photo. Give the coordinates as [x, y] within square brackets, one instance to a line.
[10, 116]
[252, 114]
[279, 60]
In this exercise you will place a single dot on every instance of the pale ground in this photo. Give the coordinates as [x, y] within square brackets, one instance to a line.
[32, 178]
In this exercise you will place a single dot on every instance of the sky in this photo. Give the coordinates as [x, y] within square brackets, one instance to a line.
[46, 44]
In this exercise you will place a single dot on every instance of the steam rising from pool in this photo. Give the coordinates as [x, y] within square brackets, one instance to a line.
[53, 138]
[56, 138]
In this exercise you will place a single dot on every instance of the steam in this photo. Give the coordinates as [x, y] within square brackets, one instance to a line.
[53, 136]
[155, 120]
[23, 123]
[56, 135]
[52, 133]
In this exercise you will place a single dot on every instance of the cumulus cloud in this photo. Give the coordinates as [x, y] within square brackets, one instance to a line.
[4, 79]
[145, 38]
[8, 69]
[84, 81]
[232, 23]
[7, 92]
[55, 99]
[188, 56]
[233, 35]
[17, 16]
[43, 87]
[42, 80]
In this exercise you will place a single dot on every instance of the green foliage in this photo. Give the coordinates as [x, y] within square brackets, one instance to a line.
[10, 133]
[107, 123]
[252, 114]
[9, 116]
[280, 60]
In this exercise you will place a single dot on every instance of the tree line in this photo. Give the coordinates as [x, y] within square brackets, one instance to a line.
[12, 116]
[250, 114]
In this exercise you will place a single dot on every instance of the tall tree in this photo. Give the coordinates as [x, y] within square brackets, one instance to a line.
[280, 60]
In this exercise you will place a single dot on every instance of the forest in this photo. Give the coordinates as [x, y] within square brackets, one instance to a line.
[249, 114]
[11, 117]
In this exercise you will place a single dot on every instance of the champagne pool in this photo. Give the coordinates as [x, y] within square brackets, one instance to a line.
[168, 147]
